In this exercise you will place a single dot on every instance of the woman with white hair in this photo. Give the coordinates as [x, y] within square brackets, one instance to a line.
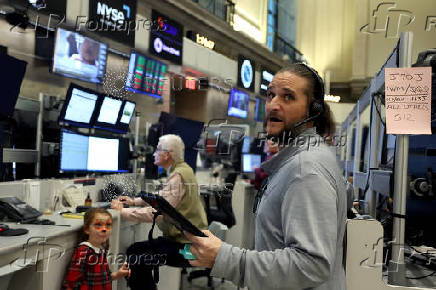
[181, 191]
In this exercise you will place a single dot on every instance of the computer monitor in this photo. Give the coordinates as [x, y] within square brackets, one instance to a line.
[83, 153]
[102, 154]
[80, 57]
[108, 113]
[146, 75]
[246, 144]
[79, 108]
[259, 113]
[250, 161]
[11, 76]
[238, 104]
[126, 113]
[73, 152]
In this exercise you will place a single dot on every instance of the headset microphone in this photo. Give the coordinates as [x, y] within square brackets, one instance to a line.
[305, 121]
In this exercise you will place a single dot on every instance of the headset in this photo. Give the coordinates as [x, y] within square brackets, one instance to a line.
[316, 108]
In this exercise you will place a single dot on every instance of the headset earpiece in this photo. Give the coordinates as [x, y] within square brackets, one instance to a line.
[316, 108]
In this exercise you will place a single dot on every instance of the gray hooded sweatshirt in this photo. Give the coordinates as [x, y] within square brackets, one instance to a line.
[300, 224]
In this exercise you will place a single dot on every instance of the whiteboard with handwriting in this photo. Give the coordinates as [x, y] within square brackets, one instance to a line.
[408, 100]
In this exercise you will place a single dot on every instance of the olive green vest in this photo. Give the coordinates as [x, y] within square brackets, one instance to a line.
[190, 206]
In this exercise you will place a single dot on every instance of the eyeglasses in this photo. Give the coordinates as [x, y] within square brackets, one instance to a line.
[161, 150]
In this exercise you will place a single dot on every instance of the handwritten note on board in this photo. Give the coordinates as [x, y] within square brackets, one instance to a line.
[408, 100]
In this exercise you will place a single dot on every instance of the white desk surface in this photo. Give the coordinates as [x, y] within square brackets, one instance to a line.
[63, 226]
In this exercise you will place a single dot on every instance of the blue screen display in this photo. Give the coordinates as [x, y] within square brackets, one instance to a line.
[238, 104]
[250, 162]
[74, 152]
[246, 145]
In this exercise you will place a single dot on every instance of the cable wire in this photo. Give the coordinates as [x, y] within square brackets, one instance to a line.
[422, 277]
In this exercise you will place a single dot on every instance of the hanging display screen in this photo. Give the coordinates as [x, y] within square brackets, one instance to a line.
[146, 75]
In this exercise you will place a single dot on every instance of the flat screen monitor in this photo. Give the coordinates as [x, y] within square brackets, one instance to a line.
[102, 154]
[80, 57]
[83, 153]
[238, 104]
[250, 162]
[108, 113]
[259, 113]
[79, 108]
[11, 77]
[126, 113]
[73, 152]
[246, 145]
[146, 75]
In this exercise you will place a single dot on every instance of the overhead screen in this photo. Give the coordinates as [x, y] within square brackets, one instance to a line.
[79, 57]
[11, 77]
[238, 104]
[82, 153]
[259, 114]
[145, 75]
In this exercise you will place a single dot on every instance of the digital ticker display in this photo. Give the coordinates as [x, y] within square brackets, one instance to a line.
[146, 75]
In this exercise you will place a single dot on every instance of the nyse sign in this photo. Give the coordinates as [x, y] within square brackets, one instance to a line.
[112, 16]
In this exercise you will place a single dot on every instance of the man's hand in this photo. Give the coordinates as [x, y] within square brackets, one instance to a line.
[205, 249]
[126, 199]
[117, 205]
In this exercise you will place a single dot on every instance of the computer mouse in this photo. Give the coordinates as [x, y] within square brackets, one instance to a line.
[47, 222]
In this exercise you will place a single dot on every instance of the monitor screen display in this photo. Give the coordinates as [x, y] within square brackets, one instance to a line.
[79, 106]
[145, 75]
[126, 113]
[11, 77]
[80, 57]
[82, 153]
[250, 162]
[109, 110]
[126, 116]
[238, 104]
[246, 145]
[103, 154]
[259, 114]
[73, 151]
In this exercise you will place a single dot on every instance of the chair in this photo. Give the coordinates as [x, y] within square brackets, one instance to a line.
[219, 230]
[220, 219]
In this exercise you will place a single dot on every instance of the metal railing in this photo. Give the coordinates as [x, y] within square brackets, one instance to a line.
[283, 47]
[224, 9]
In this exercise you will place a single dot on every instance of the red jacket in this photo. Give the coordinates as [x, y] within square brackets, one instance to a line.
[88, 270]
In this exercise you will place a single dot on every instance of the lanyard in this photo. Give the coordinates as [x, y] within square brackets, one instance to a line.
[259, 195]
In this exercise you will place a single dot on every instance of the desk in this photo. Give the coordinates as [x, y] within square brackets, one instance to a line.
[242, 234]
[39, 259]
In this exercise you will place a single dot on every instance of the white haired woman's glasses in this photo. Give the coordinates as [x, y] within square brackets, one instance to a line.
[162, 150]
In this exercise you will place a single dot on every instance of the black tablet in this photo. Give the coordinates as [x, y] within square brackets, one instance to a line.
[177, 219]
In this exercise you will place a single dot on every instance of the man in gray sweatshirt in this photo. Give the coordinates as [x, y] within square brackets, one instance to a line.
[300, 220]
